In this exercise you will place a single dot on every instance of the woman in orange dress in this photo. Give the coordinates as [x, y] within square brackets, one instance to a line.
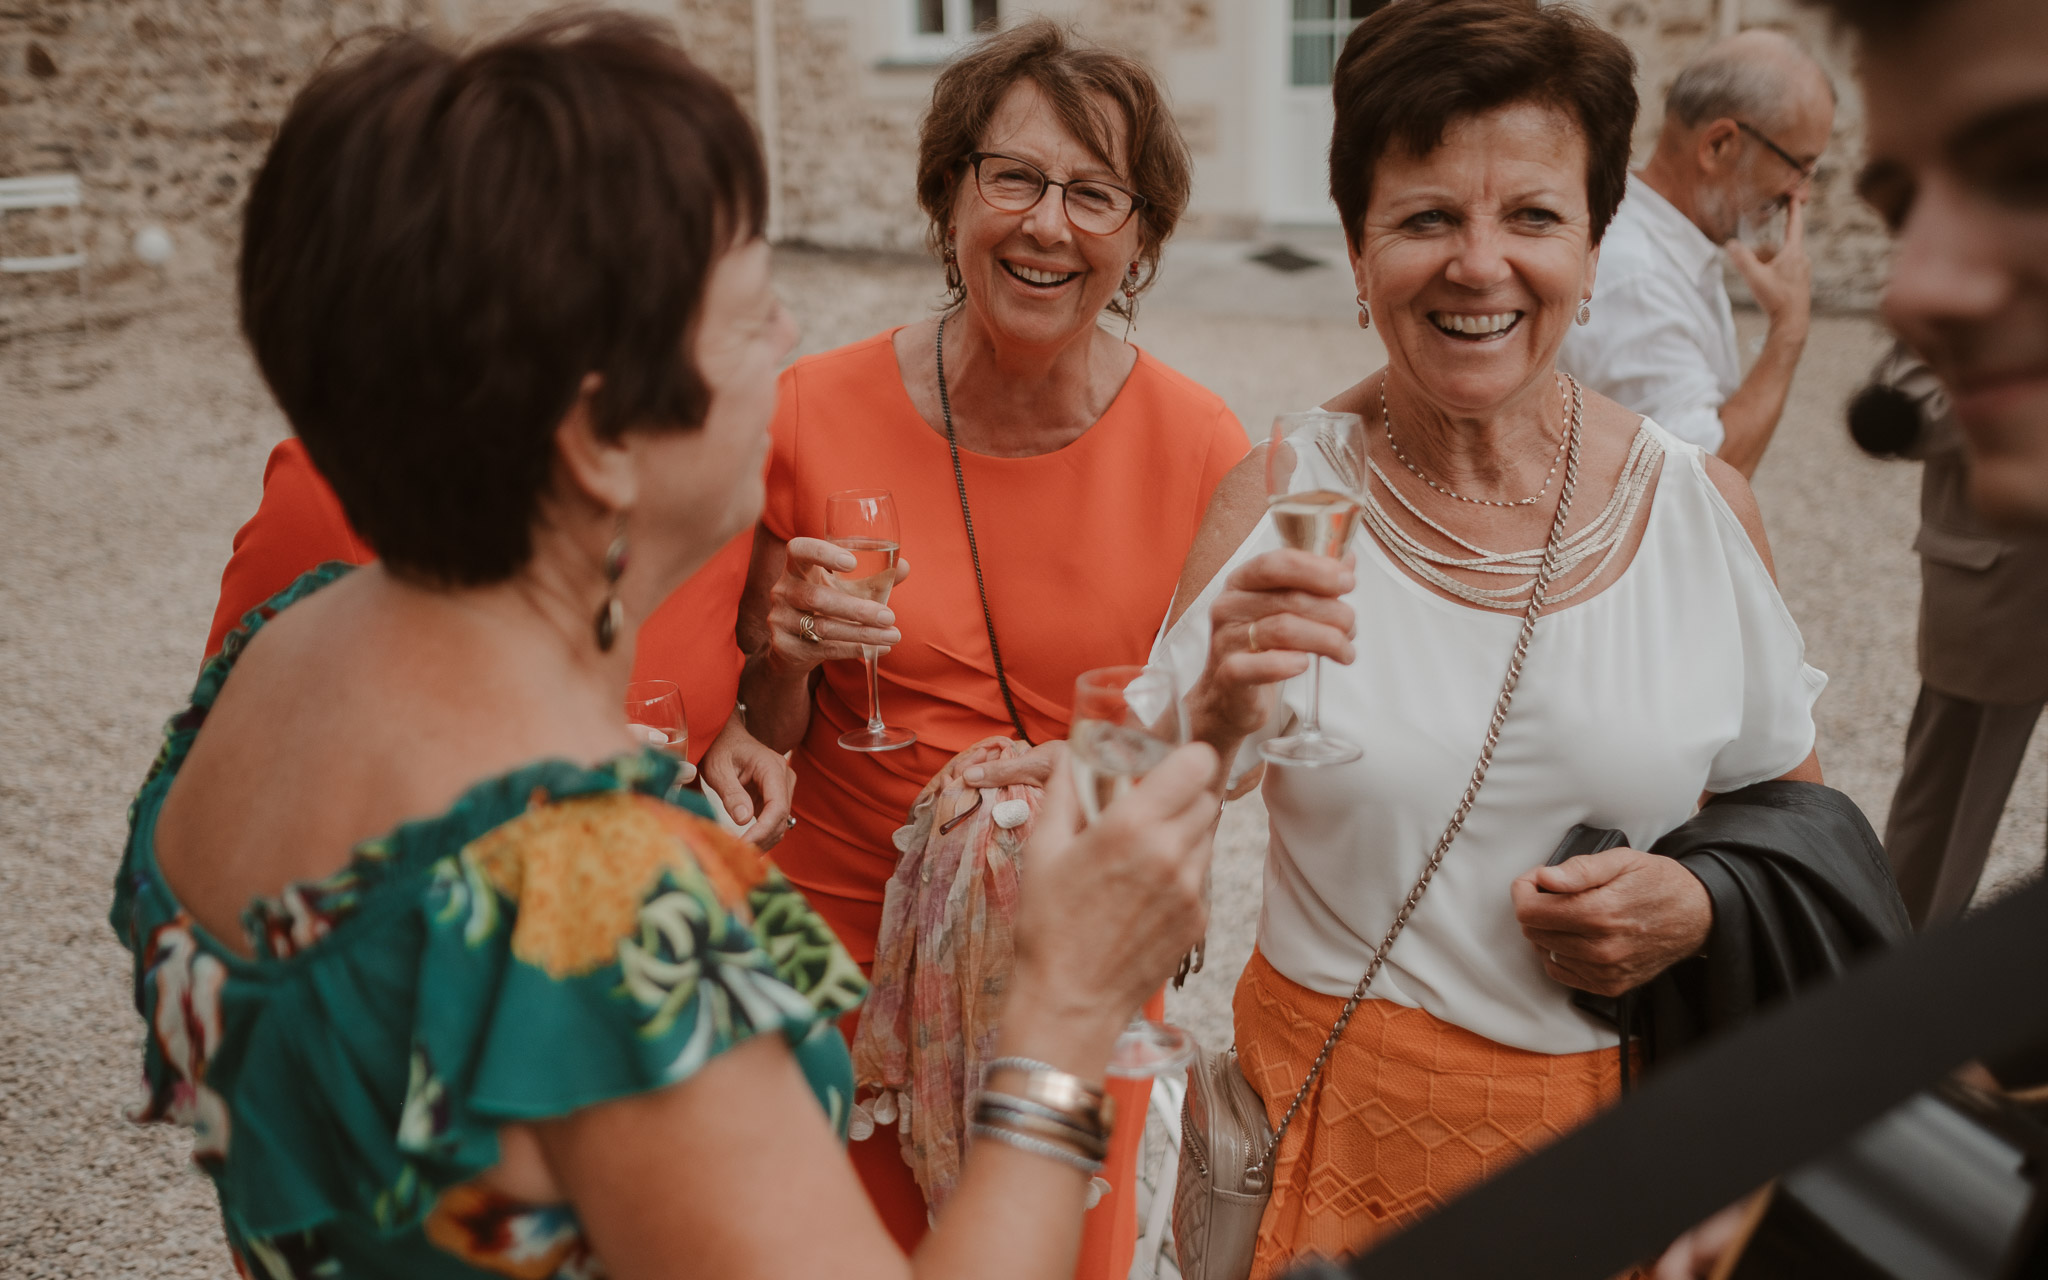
[1052, 173]
[299, 524]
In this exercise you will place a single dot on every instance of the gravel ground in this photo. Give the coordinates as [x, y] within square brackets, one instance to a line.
[127, 459]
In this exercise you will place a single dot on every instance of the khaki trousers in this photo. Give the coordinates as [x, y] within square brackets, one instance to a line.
[1961, 758]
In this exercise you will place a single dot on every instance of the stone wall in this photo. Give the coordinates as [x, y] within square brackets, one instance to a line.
[164, 107]
[1847, 242]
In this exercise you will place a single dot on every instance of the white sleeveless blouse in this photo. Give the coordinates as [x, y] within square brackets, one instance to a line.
[1686, 674]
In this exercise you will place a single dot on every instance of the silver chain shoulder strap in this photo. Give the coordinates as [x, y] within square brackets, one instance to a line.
[1464, 809]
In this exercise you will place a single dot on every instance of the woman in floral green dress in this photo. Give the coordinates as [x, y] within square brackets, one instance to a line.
[443, 973]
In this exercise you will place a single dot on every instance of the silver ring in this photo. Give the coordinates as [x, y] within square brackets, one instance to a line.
[1553, 957]
[1251, 632]
[810, 628]
[792, 822]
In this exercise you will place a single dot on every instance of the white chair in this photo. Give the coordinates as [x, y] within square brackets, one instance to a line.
[48, 191]
[1155, 1258]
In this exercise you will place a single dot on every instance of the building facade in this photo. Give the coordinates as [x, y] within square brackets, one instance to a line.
[164, 106]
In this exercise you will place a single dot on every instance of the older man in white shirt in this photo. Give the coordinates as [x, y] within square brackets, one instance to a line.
[1744, 125]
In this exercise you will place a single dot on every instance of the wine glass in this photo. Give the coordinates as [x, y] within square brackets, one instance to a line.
[1126, 720]
[1315, 481]
[863, 521]
[654, 712]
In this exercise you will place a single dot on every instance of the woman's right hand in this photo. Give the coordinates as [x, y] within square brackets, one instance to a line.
[842, 621]
[1108, 911]
[1291, 604]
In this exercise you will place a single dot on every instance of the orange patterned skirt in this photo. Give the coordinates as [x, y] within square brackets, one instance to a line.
[1410, 1111]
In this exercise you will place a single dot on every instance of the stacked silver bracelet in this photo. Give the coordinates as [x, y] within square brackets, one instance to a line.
[1037, 1146]
[1054, 1114]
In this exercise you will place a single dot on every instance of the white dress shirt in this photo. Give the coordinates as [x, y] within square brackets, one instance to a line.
[1662, 337]
[1685, 674]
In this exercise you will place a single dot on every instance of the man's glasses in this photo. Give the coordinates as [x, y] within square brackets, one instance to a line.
[1805, 171]
[1012, 185]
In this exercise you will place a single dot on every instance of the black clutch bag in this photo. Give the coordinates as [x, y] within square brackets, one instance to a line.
[1583, 839]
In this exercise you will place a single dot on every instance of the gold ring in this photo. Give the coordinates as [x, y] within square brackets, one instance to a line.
[1251, 632]
[810, 626]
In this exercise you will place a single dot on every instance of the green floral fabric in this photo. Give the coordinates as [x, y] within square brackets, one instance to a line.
[560, 937]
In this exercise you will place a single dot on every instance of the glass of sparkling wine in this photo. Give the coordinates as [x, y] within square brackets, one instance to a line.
[654, 712]
[863, 521]
[1315, 480]
[1127, 720]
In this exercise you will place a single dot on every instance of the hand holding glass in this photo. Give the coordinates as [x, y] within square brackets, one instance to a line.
[654, 712]
[1315, 480]
[1126, 721]
[863, 522]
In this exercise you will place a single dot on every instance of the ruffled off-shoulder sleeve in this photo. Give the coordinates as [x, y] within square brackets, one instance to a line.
[604, 946]
[591, 948]
[1779, 686]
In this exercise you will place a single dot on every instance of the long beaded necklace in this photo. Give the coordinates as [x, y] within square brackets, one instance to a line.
[1387, 419]
[1602, 537]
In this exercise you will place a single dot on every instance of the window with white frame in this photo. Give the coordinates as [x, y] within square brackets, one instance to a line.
[934, 29]
[1317, 32]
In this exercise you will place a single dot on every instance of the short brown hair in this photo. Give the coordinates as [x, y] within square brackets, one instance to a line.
[1071, 74]
[440, 246]
[1416, 67]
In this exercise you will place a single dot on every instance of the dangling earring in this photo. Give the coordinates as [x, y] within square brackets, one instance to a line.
[1585, 311]
[955, 285]
[611, 615]
[1130, 301]
[1364, 314]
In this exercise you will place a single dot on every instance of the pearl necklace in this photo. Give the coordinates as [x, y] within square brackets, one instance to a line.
[1565, 399]
[1603, 537]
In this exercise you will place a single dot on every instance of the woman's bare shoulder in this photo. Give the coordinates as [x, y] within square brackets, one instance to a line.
[1615, 427]
[1234, 511]
[1741, 499]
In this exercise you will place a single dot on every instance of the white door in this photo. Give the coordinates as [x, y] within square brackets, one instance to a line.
[1298, 144]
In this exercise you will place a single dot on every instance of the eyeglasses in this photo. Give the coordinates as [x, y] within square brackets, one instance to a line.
[1805, 171]
[1012, 185]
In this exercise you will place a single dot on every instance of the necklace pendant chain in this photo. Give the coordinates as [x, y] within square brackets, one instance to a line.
[1566, 390]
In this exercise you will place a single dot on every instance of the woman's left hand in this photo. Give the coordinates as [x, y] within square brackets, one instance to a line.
[1032, 769]
[1609, 922]
[748, 778]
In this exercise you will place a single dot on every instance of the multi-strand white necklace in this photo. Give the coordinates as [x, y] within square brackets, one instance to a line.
[1603, 537]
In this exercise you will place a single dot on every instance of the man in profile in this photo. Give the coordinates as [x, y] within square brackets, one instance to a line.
[1744, 125]
[1956, 113]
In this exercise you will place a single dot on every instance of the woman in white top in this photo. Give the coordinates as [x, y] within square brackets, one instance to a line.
[1663, 666]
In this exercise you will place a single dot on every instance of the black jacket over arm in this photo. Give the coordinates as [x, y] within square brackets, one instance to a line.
[1800, 888]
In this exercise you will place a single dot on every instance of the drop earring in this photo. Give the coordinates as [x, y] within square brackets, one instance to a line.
[1364, 314]
[1130, 301]
[955, 285]
[1585, 311]
[611, 615]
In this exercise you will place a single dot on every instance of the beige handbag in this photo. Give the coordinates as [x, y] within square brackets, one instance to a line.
[1227, 1145]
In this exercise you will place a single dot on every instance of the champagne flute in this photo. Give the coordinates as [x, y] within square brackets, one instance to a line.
[863, 521]
[654, 712]
[1315, 481]
[1126, 721]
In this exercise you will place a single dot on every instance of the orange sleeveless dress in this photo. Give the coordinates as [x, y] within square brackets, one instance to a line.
[299, 524]
[1080, 549]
